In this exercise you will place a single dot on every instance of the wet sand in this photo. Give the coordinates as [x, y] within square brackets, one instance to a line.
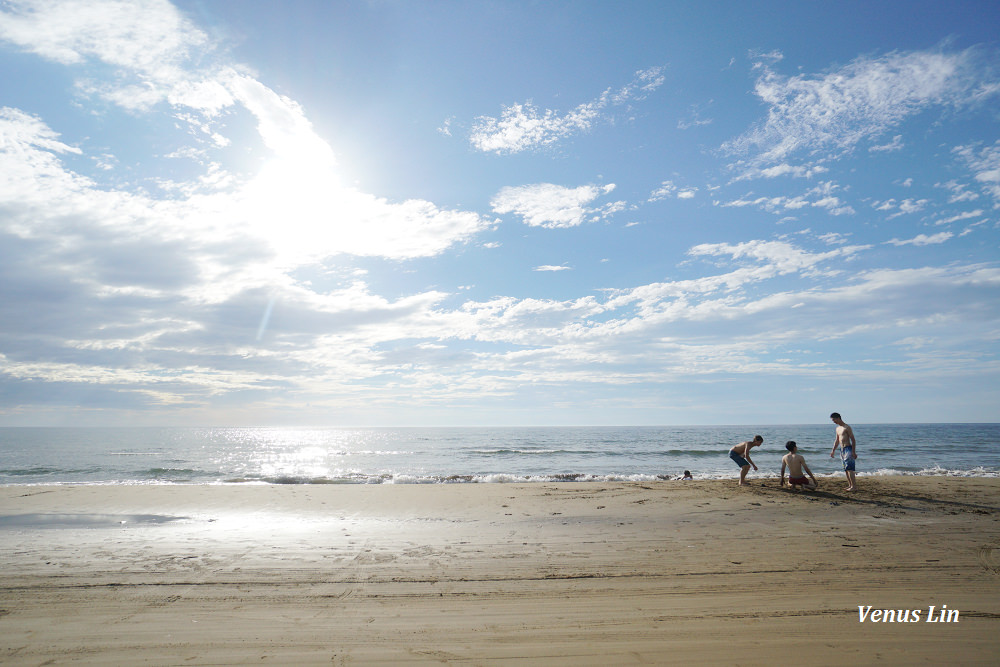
[699, 572]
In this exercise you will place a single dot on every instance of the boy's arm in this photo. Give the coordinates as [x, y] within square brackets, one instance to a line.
[854, 443]
[782, 482]
[809, 472]
[749, 460]
[836, 441]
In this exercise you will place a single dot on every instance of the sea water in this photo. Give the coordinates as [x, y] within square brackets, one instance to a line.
[457, 455]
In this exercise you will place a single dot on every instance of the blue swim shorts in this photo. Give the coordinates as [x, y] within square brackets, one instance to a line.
[740, 461]
[848, 455]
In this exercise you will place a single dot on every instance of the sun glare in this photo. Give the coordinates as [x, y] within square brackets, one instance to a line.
[296, 204]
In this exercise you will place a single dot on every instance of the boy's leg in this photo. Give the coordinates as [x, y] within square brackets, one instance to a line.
[743, 474]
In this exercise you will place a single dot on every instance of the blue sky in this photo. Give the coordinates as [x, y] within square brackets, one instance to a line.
[498, 213]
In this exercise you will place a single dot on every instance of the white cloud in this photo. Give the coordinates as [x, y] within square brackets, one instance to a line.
[695, 119]
[147, 35]
[861, 100]
[282, 125]
[984, 162]
[978, 213]
[551, 206]
[971, 228]
[149, 40]
[912, 205]
[833, 206]
[777, 257]
[778, 204]
[772, 204]
[820, 196]
[666, 189]
[523, 127]
[923, 239]
[696, 122]
[904, 207]
[759, 56]
[796, 171]
[895, 145]
[833, 238]
[550, 267]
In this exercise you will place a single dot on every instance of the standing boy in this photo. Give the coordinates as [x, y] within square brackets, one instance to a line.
[795, 464]
[848, 448]
[741, 455]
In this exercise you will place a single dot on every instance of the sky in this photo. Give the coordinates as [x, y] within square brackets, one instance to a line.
[391, 213]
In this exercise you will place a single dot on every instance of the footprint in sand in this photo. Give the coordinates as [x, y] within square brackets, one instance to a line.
[989, 559]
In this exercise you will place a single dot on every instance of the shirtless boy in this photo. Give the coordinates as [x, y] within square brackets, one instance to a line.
[848, 448]
[795, 464]
[741, 455]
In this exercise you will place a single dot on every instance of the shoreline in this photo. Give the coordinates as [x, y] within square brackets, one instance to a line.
[509, 479]
[581, 573]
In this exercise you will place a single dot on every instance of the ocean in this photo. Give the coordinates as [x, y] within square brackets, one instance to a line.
[470, 455]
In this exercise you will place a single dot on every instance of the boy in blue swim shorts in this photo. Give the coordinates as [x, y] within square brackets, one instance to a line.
[848, 448]
[740, 454]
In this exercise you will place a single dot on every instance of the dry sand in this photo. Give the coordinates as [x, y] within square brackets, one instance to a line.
[701, 573]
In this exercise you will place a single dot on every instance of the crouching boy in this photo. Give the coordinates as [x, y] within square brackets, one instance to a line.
[796, 464]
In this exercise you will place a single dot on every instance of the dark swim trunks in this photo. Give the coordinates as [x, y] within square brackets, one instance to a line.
[740, 461]
[798, 480]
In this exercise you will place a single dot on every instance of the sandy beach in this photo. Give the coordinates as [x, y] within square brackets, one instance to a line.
[698, 572]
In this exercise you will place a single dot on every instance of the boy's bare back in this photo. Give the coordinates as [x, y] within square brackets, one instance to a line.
[794, 463]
